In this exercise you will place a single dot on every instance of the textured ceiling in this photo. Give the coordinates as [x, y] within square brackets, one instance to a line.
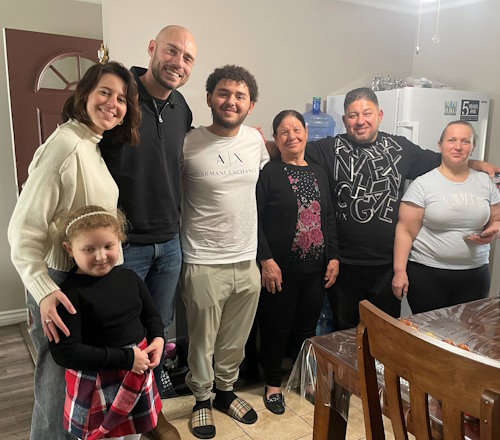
[412, 6]
[406, 6]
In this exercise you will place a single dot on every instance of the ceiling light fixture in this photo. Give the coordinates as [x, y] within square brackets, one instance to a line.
[436, 38]
[417, 47]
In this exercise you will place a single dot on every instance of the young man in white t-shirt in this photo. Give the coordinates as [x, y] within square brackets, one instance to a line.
[220, 279]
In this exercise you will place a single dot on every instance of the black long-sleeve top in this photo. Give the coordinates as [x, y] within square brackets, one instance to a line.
[277, 210]
[149, 175]
[113, 311]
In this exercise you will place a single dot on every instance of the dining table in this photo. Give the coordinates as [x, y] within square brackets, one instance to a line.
[326, 369]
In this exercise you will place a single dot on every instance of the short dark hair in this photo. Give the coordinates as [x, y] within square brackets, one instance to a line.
[360, 93]
[283, 114]
[76, 105]
[466, 123]
[238, 74]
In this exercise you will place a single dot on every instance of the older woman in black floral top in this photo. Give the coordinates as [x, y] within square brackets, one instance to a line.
[297, 249]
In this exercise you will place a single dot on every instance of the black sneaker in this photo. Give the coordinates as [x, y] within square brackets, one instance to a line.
[167, 390]
[275, 403]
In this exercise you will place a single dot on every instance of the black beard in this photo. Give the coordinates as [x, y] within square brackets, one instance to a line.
[155, 70]
[227, 124]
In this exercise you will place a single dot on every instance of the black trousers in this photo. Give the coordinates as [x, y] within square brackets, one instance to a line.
[356, 283]
[431, 288]
[294, 313]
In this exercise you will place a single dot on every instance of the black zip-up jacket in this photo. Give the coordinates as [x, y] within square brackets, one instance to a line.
[149, 175]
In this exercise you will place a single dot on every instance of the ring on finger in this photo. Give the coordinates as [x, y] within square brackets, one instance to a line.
[48, 321]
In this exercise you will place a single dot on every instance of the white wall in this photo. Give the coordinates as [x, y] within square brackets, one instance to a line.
[295, 49]
[63, 17]
[467, 57]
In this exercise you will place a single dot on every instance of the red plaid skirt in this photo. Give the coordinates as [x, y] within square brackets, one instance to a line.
[110, 403]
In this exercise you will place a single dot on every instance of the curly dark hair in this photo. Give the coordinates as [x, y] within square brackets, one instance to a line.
[76, 105]
[230, 72]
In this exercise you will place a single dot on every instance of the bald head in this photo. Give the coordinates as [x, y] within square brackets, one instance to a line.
[172, 53]
[173, 28]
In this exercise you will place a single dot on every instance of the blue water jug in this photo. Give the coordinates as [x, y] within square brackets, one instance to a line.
[320, 124]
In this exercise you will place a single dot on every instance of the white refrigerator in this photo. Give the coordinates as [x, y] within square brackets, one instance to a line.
[420, 114]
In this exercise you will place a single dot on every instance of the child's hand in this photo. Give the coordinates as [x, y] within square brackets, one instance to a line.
[155, 351]
[141, 361]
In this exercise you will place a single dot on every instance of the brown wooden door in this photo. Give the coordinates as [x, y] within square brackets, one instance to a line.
[43, 69]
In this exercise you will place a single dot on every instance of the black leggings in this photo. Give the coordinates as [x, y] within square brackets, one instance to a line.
[356, 283]
[292, 312]
[431, 288]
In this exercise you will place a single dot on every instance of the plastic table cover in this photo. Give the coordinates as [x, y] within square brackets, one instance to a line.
[475, 324]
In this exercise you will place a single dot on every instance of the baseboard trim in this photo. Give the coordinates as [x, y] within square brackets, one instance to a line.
[13, 317]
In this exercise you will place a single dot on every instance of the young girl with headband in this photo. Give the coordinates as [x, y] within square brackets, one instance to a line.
[116, 334]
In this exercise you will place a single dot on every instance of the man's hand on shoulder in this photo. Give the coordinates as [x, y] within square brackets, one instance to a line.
[261, 131]
[485, 167]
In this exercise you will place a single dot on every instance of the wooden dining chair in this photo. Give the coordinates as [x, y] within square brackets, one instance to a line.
[463, 382]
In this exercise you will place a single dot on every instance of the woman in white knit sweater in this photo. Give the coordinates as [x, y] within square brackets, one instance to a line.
[66, 172]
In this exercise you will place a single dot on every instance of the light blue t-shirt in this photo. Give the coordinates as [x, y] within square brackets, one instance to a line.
[453, 210]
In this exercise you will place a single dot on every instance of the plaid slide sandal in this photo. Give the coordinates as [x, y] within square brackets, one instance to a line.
[202, 423]
[239, 410]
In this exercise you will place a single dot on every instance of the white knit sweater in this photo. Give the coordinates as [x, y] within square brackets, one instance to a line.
[66, 172]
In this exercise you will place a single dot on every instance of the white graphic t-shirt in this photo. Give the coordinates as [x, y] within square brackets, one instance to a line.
[219, 211]
[453, 210]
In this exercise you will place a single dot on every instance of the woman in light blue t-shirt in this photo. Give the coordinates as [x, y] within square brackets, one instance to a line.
[447, 219]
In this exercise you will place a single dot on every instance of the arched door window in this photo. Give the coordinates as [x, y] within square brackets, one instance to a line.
[40, 81]
[63, 72]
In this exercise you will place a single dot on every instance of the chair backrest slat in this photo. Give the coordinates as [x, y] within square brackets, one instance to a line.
[394, 402]
[419, 404]
[455, 426]
[490, 415]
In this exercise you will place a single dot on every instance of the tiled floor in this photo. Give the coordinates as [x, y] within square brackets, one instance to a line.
[295, 424]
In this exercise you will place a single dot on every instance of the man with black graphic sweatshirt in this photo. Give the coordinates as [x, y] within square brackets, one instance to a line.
[367, 170]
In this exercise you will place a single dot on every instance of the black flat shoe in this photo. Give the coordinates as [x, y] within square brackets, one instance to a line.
[275, 403]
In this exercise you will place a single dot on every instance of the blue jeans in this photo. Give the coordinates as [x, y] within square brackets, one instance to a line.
[50, 386]
[159, 265]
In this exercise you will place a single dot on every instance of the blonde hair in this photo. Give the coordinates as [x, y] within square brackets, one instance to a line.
[466, 123]
[88, 218]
